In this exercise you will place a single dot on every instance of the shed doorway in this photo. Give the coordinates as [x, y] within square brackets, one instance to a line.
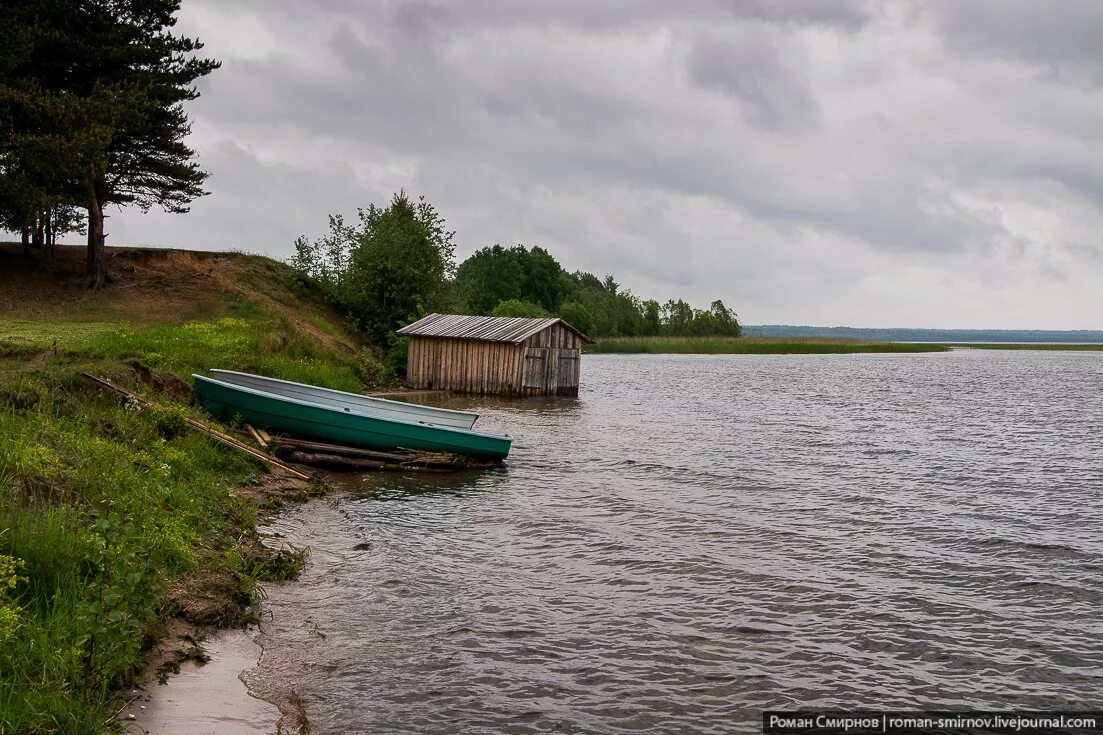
[551, 370]
[535, 373]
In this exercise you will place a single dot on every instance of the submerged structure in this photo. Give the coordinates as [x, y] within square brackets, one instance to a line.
[488, 355]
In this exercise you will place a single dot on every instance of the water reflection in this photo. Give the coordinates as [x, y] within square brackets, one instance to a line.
[562, 405]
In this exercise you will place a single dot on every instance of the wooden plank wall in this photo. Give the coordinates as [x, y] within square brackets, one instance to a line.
[464, 366]
[494, 368]
[555, 336]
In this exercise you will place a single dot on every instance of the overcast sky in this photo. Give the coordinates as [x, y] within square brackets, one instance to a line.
[809, 162]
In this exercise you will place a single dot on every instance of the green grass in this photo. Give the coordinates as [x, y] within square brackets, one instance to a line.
[751, 346]
[102, 504]
[108, 510]
[23, 337]
[247, 338]
[259, 346]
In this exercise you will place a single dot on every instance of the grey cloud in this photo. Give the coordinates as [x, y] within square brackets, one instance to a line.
[1064, 39]
[437, 18]
[1082, 177]
[251, 203]
[540, 121]
[844, 14]
[752, 69]
[748, 150]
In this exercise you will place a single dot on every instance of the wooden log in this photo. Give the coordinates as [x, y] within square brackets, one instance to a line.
[300, 444]
[256, 435]
[339, 462]
[398, 458]
[334, 461]
[200, 426]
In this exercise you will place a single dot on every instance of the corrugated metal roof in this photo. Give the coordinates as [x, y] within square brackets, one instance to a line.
[486, 328]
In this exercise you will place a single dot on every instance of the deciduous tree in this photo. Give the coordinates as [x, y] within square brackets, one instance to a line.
[577, 315]
[490, 276]
[515, 307]
[398, 267]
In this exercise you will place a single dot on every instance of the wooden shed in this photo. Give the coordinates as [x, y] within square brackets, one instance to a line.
[489, 355]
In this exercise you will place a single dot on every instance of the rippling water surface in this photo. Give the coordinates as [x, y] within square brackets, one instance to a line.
[697, 538]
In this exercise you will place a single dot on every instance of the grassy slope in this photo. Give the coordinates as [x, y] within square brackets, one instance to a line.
[113, 519]
[751, 346]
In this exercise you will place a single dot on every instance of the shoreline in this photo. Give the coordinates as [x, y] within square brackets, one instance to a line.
[752, 346]
[120, 519]
[218, 680]
[207, 694]
[807, 346]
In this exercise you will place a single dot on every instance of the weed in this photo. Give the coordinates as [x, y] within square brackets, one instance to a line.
[9, 611]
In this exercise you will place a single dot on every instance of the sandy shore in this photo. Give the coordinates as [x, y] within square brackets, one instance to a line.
[203, 699]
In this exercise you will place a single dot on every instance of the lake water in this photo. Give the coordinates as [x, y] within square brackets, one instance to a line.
[698, 538]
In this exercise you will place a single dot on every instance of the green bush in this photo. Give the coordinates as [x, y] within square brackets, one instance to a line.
[372, 371]
[577, 315]
[513, 307]
[398, 355]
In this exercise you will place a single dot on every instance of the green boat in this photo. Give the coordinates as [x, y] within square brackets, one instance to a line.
[341, 425]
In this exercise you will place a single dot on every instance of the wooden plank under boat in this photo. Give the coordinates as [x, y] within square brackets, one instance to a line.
[337, 457]
[380, 407]
[341, 425]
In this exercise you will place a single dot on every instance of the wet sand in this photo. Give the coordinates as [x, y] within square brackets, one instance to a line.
[205, 699]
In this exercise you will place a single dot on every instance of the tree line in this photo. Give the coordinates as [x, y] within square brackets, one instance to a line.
[393, 265]
[91, 114]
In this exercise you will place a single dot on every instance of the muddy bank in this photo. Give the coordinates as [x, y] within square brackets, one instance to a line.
[194, 678]
[204, 698]
[227, 683]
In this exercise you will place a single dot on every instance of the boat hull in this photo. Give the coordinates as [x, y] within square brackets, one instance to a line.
[279, 414]
[380, 407]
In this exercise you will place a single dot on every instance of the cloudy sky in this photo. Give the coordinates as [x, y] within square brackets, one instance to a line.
[934, 163]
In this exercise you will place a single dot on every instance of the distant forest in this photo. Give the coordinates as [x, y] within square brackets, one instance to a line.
[905, 334]
[397, 264]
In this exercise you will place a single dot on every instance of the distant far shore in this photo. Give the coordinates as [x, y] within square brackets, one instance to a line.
[752, 346]
[804, 346]
[943, 336]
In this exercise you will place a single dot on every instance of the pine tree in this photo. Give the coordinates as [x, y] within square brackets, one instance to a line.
[116, 78]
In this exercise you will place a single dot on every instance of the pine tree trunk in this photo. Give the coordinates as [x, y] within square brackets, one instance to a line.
[96, 268]
[26, 242]
[51, 241]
